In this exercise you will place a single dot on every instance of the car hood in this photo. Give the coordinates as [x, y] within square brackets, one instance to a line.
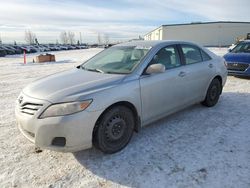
[237, 57]
[71, 85]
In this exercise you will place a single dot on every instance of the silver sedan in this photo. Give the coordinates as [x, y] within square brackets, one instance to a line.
[118, 91]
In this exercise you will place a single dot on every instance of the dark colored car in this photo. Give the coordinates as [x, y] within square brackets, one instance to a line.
[8, 50]
[19, 48]
[238, 59]
[2, 52]
[16, 50]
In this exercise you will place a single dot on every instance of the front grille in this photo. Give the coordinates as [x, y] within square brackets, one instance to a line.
[237, 66]
[29, 108]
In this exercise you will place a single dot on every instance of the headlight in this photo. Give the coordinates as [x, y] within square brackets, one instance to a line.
[65, 108]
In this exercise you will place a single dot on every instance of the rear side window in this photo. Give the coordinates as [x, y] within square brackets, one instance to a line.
[191, 54]
[205, 56]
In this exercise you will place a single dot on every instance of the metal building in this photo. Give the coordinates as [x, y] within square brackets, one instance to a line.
[204, 33]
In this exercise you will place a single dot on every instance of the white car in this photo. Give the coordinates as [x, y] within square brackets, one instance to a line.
[118, 91]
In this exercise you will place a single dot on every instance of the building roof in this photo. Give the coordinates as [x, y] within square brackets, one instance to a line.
[198, 23]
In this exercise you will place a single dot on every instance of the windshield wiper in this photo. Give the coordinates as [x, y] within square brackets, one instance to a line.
[110, 72]
[99, 70]
[93, 70]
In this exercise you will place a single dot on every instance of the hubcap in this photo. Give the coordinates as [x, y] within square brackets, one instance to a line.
[213, 93]
[115, 128]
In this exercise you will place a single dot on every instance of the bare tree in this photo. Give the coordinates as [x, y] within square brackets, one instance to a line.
[140, 37]
[99, 38]
[80, 38]
[30, 37]
[64, 37]
[36, 41]
[106, 39]
[67, 37]
[71, 37]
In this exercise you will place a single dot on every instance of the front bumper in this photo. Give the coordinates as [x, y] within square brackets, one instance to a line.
[239, 73]
[76, 129]
[234, 71]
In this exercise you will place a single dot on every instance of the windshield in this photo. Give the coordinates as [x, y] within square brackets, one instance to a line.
[116, 60]
[243, 47]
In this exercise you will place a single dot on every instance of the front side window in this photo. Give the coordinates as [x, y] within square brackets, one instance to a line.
[167, 56]
[116, 60]
[191, 53]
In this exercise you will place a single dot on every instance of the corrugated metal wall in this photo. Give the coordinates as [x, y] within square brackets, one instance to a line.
[207, 34]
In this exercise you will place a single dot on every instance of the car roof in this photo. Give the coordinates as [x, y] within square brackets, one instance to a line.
[161, 43]
[151, 43]
[247, 41]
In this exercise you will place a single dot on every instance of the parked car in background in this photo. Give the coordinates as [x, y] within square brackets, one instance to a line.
[127, 86]
[16, 50]
[70, 47]
[19, 48]
[53, 47]
[2, 52]
[83, 46]
[8, 50]
[62, 47]
[238, 59]
[23, 48]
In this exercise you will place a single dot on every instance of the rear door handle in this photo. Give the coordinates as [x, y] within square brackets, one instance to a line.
[182, 74]
[210, 65]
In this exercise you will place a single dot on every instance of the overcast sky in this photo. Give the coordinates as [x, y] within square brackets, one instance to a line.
[120, 20]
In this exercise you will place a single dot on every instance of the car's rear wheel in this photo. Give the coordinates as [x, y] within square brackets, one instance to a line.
[213, 93]
[114, 129]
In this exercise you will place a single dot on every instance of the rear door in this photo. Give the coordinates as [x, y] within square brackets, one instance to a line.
[198, 70]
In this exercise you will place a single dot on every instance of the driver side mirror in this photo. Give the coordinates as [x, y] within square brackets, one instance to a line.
[155, 68]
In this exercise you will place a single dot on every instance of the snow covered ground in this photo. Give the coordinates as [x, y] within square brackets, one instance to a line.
[197, 147]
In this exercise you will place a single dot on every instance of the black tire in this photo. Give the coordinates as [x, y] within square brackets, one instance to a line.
[114, 129]
[213, 93]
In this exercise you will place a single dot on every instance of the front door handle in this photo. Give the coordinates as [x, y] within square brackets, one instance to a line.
[210, 65]
[182, 74]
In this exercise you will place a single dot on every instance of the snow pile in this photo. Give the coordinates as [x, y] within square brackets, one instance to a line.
[197, 147]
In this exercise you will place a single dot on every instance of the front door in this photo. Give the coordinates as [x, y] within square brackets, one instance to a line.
[162, 93]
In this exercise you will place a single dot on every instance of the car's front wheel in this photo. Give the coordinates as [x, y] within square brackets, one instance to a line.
[114, 129]
[213, 93]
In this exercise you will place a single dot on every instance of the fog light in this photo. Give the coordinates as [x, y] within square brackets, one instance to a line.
[59, 141]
